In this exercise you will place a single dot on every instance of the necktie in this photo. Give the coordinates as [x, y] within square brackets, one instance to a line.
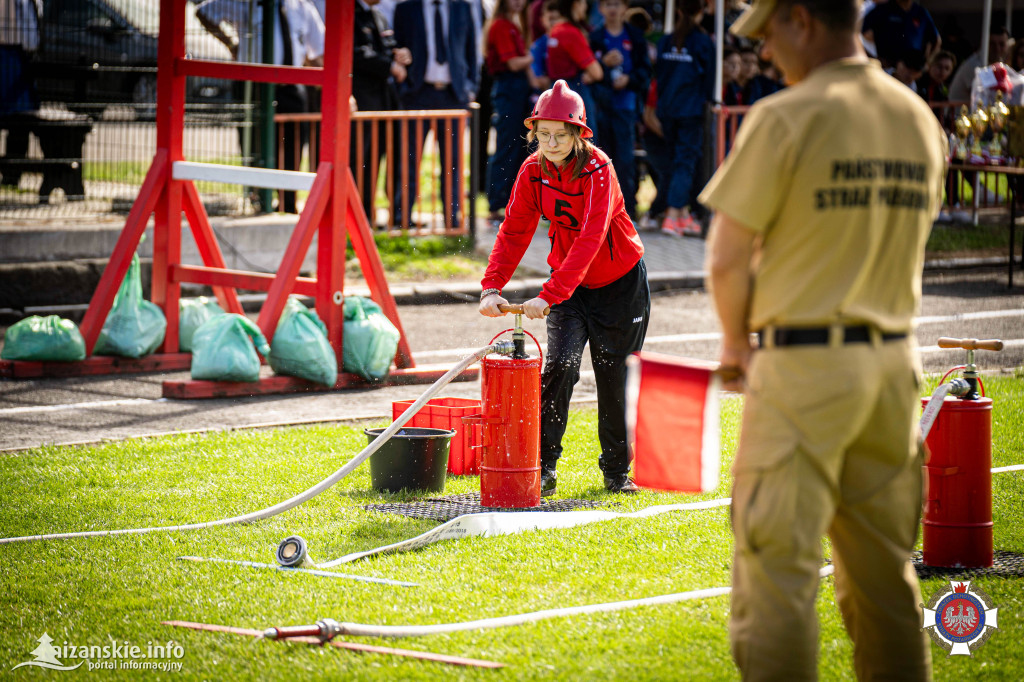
[440, 46]
[286, 37]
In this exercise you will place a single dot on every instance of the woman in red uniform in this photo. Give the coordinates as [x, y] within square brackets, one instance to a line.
[597, 290]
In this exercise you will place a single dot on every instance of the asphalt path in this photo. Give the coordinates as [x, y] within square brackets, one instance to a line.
[974, 304]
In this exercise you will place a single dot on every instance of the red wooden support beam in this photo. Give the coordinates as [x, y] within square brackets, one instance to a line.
[334, 149]
[373, 270]
[284, 281]
[209, 249]
[96, 365]
[239, 279]
[257, 73]
[127, 242]
[276, 384]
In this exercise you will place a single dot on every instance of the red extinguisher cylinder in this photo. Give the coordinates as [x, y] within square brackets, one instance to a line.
[958, 477]
[510, 460]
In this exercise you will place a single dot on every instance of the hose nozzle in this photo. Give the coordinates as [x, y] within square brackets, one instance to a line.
[292, 553]
[326, 630]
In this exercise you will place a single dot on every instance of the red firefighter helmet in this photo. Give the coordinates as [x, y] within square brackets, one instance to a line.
[560, 103]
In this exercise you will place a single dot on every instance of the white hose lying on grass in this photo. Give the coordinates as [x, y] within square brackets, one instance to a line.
[490, 524]
[364, 630]
[300, 498]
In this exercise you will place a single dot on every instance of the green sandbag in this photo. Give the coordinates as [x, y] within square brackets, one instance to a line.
[135, 327]
[223, 350]
[50, 339]
[300, 347]
[370, 340]
[194, 311]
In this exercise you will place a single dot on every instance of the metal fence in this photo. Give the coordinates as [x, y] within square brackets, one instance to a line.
[399, 153]
[78, 106]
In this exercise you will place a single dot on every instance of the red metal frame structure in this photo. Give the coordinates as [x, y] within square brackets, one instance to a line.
[332, 211]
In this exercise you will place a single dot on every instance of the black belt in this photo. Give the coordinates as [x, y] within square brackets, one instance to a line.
[819, 336]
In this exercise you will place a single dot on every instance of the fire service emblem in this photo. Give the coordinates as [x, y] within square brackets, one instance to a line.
[960, 618]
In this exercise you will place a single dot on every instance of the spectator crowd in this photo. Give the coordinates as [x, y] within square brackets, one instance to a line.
[646, 90]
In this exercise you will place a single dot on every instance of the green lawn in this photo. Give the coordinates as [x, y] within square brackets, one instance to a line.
[83, 591]
[946, 238]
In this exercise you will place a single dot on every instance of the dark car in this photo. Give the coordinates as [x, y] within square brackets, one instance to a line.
[96, 53]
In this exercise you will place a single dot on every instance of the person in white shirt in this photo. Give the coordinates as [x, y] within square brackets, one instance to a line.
[299, 20]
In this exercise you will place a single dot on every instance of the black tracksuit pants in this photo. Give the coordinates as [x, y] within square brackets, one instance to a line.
[613, 318]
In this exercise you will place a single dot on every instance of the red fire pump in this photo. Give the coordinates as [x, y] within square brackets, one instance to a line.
[510, 420]
[958, 474]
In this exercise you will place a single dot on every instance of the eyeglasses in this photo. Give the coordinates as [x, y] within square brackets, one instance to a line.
[560, 138]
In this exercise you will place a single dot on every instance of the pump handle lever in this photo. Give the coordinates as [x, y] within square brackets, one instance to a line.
[970, 344]
[517, 308]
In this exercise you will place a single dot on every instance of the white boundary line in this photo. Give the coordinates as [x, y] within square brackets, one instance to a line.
[96, 404]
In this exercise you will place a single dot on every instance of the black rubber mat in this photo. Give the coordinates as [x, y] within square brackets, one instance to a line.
[447, 508]
[1004, 565]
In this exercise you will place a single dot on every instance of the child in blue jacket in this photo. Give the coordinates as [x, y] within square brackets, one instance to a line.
[685, 73]
[622, 50]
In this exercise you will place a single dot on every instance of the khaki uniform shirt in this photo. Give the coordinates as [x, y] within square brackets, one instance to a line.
[842, 177]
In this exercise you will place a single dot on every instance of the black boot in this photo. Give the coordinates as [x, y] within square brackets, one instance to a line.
[548, 482]
[621, 484]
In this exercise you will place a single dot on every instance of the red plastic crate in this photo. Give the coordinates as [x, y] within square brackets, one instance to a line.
[447, 413]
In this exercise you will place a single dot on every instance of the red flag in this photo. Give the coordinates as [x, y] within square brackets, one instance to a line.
[672, 417]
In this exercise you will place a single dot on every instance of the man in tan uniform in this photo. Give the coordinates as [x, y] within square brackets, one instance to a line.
[822, 212]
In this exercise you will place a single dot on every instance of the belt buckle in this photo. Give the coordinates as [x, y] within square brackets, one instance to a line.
[440, 86]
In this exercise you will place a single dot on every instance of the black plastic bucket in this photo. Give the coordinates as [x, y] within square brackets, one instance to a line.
[413, 458]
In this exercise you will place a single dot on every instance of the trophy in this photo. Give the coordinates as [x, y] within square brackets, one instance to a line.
[962, 126]
[998, 116]
[979, 124]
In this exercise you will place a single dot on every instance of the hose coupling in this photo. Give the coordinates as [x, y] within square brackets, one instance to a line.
[292, 553]
[959, 387]
[329, 628]
[503, 347]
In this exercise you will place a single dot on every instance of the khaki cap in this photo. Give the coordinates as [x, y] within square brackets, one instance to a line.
[751, 23]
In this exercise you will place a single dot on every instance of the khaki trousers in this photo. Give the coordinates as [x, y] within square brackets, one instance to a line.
[828, 445]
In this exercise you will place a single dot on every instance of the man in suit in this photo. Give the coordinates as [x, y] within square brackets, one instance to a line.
[441, 37]
[298, 41]
[377, 67]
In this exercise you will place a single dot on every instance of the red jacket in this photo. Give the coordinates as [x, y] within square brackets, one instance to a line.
[593, 241]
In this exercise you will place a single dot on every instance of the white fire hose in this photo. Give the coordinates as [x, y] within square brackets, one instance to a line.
[931, 411]
[503, 347]
[329, 628]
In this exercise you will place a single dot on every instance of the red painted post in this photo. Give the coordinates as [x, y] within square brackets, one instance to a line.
[208, 247]
[298, 246]
[334, 149]
[389, 144]
[170, 102]
[99, 306]
[373, 270]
